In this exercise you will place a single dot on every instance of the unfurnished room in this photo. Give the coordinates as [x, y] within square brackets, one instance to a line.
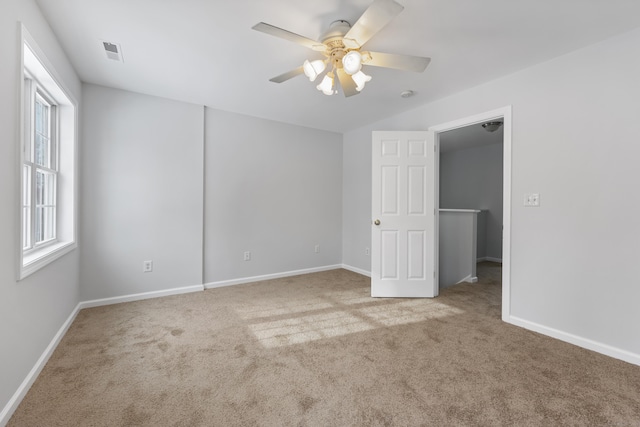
[338, 213]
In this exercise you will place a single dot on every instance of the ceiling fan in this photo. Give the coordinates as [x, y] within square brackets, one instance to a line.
[342, 45]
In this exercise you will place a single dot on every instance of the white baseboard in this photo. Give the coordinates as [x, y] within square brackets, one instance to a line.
[17, 397]
[489, 258]
[357, 270]
[598, 347]
[239, 281]
[141, 296]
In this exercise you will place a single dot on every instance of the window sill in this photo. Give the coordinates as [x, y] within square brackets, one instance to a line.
[37, 259]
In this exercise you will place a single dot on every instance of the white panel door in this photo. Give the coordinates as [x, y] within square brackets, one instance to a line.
[403, 247]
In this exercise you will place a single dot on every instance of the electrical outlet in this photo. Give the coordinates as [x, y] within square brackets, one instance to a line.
[532, 199]
[247, 256]
[367, 251]
[147, 266]
[317, 249]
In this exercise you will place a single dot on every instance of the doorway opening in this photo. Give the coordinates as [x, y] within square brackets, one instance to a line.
[482, 223]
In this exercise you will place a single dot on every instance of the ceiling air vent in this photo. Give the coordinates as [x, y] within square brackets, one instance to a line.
[113, 51]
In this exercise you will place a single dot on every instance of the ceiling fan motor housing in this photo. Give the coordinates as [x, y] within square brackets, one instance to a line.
[336, 30]
[332, 38]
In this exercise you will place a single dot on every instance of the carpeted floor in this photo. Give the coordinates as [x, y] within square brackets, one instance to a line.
[315, 350]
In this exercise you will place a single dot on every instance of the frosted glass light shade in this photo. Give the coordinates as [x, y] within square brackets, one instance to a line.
[326, 86]
[360, 78]
[313, 69]
[352, 62]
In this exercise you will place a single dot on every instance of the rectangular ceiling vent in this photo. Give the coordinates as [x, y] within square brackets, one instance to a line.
[113, 51]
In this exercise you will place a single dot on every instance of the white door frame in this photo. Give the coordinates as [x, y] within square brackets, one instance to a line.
[505, 114]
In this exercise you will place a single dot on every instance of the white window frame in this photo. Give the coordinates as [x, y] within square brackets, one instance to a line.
[39, 78]
[33, 91]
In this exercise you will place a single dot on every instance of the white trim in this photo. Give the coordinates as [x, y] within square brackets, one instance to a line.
[35, 48]
[356, 270]
[140, 296]
[505, 114]
[436, 207]
[31, 377]
[37, 259]
[489, 258]
[33, 57]
[498, 113]
[598, 347]
[223, 283]
[506, 213]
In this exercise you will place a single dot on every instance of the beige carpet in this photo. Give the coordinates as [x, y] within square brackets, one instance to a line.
[315, 350]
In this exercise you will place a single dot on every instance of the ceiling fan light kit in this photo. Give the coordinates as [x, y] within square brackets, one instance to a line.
[360, 78]
[352, 62]
[341, 45]
[314, 68]
[327, 85]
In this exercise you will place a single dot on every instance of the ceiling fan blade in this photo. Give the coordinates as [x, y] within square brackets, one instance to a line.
[375, 18]
[347, 83]
[399, 62]
[288, 35]
[286, 76]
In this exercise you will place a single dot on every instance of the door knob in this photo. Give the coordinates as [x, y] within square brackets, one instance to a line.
[376, 222]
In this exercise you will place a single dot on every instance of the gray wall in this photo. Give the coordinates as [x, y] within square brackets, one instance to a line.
[573, 260]
[34, 309]
[150, 174]
[272, 189]
[142, 166]
[472, 179]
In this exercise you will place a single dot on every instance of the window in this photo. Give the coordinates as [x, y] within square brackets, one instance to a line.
[40, 168]
[48, 157]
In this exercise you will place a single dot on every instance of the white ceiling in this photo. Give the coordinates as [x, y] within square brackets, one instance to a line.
[205, 52]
